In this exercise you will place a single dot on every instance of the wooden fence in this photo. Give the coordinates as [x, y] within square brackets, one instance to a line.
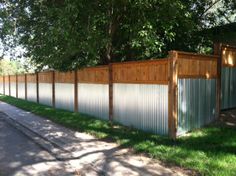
[168, 96]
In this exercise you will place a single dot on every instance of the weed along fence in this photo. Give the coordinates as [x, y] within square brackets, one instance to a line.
[166, 96]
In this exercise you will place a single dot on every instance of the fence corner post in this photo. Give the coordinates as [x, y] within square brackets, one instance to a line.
[110, 87]
[75, 91]
[218, 51]
[172, 94]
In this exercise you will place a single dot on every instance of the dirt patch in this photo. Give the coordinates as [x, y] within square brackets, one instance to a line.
[228, 118]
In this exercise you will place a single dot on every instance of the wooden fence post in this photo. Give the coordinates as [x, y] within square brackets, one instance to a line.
[4, 93]
[37, 86]
[53, 89]
[16, 86]
[26, 97]
[110, 82]
[218, 51]
[173, 94]
[9, 84]
[75, 91]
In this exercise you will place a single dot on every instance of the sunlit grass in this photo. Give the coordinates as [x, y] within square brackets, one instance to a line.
[210, 151]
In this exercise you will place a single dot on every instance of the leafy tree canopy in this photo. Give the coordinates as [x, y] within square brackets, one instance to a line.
[68, 34]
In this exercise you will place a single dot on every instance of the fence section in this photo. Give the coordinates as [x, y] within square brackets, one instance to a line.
[93, 91]
[21, 86]
[140, 95]
[228, 78]
[1, 84]
[45, 83]
[197, 82]
[31, 87]
[166, 96]
[64, 90]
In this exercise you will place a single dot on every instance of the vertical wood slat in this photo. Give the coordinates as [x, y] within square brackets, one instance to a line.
[53, 89]
[173, 94]
[16, 86]
[218, 50]
[110, 92]
[26, 97]
[75, 91]
[37, 86]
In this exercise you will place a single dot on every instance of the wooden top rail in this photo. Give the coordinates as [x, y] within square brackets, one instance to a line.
[21, 78]
[192, 65]
[228, 56]
[45, 77]
[98, 75]
[31, 78]
[146, 72]
[64, 77]
[13, 78]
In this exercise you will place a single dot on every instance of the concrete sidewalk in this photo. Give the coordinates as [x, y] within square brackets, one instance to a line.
[86, 154]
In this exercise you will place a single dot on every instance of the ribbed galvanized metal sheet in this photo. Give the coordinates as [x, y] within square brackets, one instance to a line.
[6, 88]
[93, 99]
[196, 103]
[31, 92]
[64, 96]
[228, 88]
[142, 106]
[13, 89]
[21, 90]
[45, 94]
[1, 88]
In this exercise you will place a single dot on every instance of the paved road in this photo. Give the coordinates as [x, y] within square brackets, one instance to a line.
[21, 156]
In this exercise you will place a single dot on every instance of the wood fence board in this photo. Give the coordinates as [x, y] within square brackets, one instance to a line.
[45, 77]
[31, 78]
[229, 57]
[197, 66]
[64, 77]
[21, 78]
[146, 72]
[96, 75]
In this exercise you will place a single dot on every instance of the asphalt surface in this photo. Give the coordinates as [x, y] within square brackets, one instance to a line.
[19, 155]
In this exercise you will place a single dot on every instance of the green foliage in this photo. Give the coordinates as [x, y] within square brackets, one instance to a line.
[68, 34]
[209, 151]
[11, 67]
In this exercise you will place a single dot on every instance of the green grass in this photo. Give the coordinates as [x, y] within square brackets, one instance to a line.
[209, 151]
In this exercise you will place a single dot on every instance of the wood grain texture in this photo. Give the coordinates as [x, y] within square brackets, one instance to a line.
[97, 75]
[45, 77]
[228, 56]
[191, 65]
[64, 77]
[31, 78]
[146, 72]
[13, 78]
[21, 78]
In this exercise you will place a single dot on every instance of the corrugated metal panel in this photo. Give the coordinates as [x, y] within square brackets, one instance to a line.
[21, 90]
[142, 106]
[6, 88]
[93, 99]
[45, 94]
[1, 88]
[31, 92]
[64, 96]
[228, 88]
[196, 103]
[13, 89]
